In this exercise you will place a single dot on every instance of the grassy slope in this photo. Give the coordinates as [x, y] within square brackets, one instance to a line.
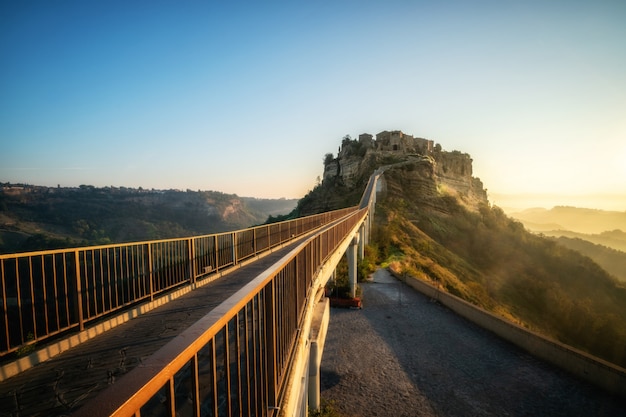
[479, 254]
[492, 261]
[611, 260]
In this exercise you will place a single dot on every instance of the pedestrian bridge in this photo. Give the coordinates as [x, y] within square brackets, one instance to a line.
[257, 351]
[231, 324]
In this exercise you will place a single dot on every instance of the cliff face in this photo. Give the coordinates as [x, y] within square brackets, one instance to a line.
[453, 173]
[429, 176]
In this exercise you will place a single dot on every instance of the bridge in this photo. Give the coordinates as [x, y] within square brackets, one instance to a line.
[225, 324]
[248, 351]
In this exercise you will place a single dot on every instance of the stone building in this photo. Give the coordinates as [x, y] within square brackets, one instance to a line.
[399, 141]
[366, 139]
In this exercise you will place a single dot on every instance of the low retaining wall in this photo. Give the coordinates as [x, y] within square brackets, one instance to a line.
[590, 368]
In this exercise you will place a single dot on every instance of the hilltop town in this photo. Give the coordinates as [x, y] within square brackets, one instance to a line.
[357, 158]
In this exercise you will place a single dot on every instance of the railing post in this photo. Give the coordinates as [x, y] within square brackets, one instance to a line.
[217, 252]
[234, 234]
[5, 317]
[79, 292]
[362, 241]
[352, 260]
[320, 248]
[254, 244]
[150, 272]
[270, 340]
[192, 264]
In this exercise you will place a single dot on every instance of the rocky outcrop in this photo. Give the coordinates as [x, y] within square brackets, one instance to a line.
[453, 171]
[428, 175]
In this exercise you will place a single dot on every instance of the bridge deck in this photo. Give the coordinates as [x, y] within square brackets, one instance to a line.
[67, 381]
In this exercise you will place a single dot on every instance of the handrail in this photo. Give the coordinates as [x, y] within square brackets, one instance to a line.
[235, 360]
[45, 293]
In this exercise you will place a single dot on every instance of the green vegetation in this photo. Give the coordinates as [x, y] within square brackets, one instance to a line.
[332, 194]
[352, 147]
[39, 218]
[611, 260]
[492, 261]
[426, 229]
[28, 347]
[327, 409]
[366, 266]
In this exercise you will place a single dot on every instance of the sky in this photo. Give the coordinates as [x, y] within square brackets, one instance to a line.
[248, 97]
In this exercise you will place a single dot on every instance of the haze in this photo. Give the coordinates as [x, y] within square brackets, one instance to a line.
[248, 98]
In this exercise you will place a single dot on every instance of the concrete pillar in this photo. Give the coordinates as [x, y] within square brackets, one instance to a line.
[319, 329]
[362, 241]
[314, 389]
[351, 253]
[366, 230]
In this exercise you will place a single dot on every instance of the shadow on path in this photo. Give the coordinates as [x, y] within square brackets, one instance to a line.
[406, 355]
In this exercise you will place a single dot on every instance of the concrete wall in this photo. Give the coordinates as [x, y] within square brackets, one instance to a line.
[590, 368]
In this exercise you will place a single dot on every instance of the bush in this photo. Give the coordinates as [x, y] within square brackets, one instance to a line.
[327, 409]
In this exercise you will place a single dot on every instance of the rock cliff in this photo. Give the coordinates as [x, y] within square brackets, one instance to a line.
[429, 174]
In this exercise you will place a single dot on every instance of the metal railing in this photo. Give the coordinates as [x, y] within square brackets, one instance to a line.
[49, 292]
[235, 360]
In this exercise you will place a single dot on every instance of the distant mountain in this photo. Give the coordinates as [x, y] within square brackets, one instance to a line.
[614, 239]
[611, 260]
[37, 218]
[580, 220]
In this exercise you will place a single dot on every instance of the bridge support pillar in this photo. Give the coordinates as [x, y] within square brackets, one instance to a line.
[319, 328]
[366, 231]
[352, 264]
[362, 241]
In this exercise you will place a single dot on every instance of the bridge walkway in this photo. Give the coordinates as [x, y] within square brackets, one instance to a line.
[67, 381]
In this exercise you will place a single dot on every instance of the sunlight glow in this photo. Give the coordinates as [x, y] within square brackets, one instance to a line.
[248, 100]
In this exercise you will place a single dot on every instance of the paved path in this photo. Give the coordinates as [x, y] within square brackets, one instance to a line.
[404, 355]
[62, 384]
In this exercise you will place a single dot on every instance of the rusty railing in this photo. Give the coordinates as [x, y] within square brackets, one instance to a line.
[235, 360]
[46, 293]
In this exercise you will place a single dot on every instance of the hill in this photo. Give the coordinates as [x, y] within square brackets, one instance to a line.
[611, 260]
[434, 222]
[615, 239]
[594, 233]
[37, 218]
[575, 219]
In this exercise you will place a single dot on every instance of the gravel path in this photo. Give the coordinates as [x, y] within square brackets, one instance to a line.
[405, 355]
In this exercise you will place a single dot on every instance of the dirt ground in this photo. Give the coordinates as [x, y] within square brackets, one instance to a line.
[406, 355]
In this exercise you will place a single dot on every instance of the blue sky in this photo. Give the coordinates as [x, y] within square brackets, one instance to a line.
[247, 98]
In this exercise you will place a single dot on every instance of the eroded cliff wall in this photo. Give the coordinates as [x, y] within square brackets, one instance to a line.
[438, 173]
